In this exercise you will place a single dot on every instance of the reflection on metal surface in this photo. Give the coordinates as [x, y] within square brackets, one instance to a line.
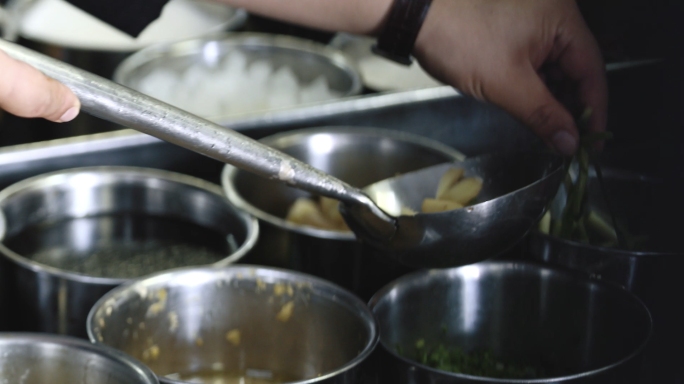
[327, 335]
[573, 326]
[42, 358]
[66, 234]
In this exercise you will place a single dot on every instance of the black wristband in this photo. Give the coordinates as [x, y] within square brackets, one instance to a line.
[397, 39]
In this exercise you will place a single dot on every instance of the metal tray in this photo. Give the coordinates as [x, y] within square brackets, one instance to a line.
[439, 113]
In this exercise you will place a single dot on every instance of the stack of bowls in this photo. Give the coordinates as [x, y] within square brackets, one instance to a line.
[70, 236]
[358, 156]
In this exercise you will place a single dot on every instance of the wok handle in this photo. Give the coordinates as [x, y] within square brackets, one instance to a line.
[121, 105]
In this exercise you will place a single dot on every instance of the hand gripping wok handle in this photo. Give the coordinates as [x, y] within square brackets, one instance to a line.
[121, 105]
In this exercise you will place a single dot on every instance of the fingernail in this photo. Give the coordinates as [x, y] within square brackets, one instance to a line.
[564, 143]
[69, 115]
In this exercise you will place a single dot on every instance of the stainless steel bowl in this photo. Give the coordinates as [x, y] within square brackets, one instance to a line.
[584, 331]
[220, 324]
[643, 204]
[307, 59]
[39, 359]
[70, 236]
[358, 156]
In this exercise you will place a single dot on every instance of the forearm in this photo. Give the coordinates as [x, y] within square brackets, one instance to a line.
[362, 17]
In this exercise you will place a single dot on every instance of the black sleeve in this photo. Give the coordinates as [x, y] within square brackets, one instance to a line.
[129, 16]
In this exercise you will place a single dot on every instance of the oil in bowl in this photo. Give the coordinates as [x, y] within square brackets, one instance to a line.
[70, 236]
[237, 324]
[121, 246]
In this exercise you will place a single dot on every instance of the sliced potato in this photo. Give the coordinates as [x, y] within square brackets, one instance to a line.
[435, 205]
[545, 223]
[406, 211]
[331, 209]
[307, 212]
[464, 191]
[448, 180]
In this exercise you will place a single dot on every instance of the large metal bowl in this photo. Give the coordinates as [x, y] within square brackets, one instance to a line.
[358, 156]
[70, 236]
[643, 204]
[585, 331]
[234, 321]
[307, 59]
[40, 359]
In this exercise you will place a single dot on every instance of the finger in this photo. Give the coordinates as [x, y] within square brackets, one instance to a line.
[581, 61]
[524, 95]
[26, 92]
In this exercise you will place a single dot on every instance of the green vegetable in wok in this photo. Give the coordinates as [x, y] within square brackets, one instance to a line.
[477, 363]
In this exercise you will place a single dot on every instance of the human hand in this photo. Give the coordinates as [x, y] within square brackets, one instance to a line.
[493, 50]
[26, 92]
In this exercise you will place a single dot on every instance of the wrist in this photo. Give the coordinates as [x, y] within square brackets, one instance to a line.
[400, 30]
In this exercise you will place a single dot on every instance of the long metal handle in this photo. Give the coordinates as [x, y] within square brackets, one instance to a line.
[113, 102]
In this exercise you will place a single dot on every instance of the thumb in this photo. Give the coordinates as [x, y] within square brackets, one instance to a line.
[27, 92]
[525, 96]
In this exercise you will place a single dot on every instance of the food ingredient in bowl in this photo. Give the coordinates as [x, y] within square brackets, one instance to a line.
[233, 336]
[121, 245]
[476, 363]
[248, 376]
[285, 312]
[579, 221]
[322, 213]
[234, 85]
[453, 192]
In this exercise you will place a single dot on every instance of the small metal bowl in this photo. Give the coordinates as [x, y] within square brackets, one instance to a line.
[590, 332]
[307, 59]
[38, 359]
[223, 323]
[359, 156]
[70, 236]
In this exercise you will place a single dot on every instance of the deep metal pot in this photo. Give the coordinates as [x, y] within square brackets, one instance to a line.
[223, 323]
[39, 359]
[72, 219]
[642, 204]
[359, 156]
[581, 331]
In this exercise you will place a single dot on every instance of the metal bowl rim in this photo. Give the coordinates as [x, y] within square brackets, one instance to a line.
[102, 350]
[251, 227]
[551, 174]
[334, 56]
[528, 264]
[614, 252]
[230, 172]
[364, 312]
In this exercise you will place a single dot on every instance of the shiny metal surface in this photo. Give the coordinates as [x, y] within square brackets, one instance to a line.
[127, 107]
[632, 197]
[593, 332]
[517, 187]
[651, 272]
[185, 316]
[307, 59]
[357, 155]
[78, 214]
[39, 359]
